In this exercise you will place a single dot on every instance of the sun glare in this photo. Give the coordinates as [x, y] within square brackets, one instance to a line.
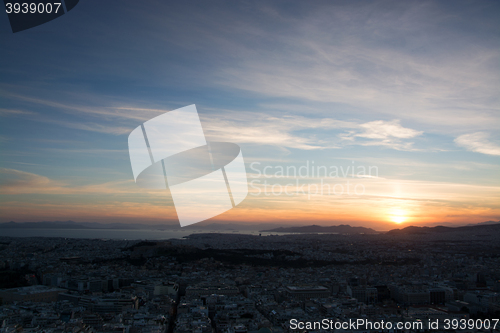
[398, 219]
[398, 216]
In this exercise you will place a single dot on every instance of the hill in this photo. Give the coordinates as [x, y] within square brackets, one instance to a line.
[338, 229]
[413, 230]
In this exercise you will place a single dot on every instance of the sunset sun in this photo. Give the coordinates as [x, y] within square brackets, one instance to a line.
[398, 216]
[398, 219]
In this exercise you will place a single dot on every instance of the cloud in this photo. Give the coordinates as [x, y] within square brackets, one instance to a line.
[291, 131]
[105, 111]
[381, 133]
[387, 129]
[263, 129]
[240, 127]
[479, 143]
[424, 70]
[405, 60]
[123, 198]
[11, 178]
[14, 182]
[120, 114]
[93, 127]
[6, 112]
[285, 130]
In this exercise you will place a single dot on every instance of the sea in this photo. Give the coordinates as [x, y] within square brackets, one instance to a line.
[127, 234]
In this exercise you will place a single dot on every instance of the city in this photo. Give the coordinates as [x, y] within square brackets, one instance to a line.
[234, 282]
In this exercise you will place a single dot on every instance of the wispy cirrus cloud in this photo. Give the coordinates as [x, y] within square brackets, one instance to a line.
[106, 111]
[104, 119]
[291, 131]
[252, 128]
[92, 127]
[275, 128]
[8, 112]
[13, 181]
[478, 142]
[11, 178]
[422, 71]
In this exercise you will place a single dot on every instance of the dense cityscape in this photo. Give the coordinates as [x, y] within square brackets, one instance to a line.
[234, 282]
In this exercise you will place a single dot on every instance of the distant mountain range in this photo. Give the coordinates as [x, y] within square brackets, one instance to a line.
[413, 230]
[135, 226]
[484, 223]
[262, 227]
[338, 229]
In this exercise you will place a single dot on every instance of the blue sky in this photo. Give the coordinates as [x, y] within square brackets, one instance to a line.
[411, 87]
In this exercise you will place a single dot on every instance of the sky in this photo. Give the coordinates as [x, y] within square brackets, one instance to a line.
[406, 94]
